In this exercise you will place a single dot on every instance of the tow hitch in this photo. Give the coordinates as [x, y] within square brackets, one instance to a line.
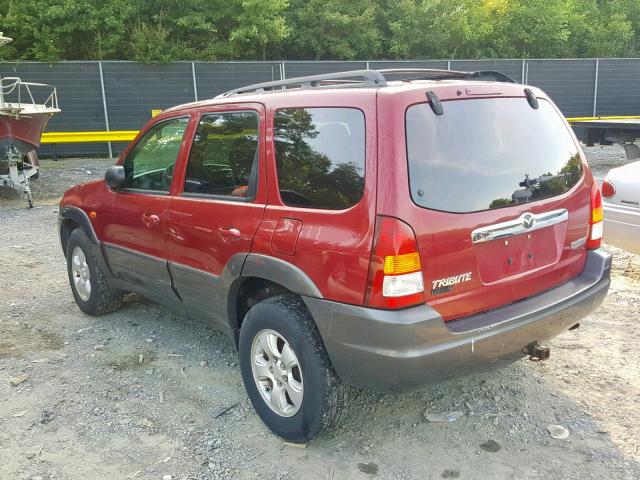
[538, 353]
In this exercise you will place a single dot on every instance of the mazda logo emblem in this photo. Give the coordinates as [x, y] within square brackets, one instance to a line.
[528, 221]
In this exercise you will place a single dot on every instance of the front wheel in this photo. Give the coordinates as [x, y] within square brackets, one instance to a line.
[286, 371]
[87, 280]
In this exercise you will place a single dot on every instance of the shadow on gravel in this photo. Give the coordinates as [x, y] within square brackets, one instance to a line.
[492, 425]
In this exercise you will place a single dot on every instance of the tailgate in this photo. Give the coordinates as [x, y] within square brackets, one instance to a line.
[500, 201]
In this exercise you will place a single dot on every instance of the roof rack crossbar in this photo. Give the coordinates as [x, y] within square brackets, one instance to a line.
[353, 79]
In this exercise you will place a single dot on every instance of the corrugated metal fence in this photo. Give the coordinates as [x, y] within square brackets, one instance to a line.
[119, 95]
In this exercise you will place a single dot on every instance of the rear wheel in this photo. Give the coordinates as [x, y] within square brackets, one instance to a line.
[88, 284]
[286, 371]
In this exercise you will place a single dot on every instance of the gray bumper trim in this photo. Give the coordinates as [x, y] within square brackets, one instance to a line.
[404, 350]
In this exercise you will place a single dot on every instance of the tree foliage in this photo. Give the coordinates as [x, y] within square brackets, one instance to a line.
[163, 30]
[332, 29]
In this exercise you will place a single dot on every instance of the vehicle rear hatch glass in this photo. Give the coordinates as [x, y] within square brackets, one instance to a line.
[487, 154]
[491, 175]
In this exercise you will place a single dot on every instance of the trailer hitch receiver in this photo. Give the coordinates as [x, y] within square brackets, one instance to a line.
[538, 353]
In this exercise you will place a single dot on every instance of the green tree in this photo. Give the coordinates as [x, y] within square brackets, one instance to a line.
[333, 29]
[151, 44]
[629, 10]
[428, 29]
[259, 24]
[165, 30]
[66, 29]
[527, 28]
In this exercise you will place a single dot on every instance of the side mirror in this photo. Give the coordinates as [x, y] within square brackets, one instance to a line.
[114, 177]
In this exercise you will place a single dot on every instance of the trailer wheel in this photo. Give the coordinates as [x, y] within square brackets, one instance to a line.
[32, 159]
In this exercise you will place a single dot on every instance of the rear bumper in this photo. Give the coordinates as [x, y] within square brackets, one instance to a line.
[404, 350]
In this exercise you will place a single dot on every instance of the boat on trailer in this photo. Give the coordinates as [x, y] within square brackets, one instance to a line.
[25, 109]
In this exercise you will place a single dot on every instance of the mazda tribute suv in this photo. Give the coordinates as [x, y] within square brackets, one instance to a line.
[381, 229]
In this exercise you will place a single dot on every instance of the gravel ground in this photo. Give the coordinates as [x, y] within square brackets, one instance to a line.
[145, 394]
[603, 158]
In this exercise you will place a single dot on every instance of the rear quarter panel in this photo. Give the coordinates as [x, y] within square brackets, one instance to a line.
[333, 246]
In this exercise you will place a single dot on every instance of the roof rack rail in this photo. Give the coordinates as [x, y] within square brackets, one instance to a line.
[351, 79]
[367, 78]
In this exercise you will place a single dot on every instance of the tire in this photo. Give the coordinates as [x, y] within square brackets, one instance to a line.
[99, 298]
[32, 159]
[323, 396]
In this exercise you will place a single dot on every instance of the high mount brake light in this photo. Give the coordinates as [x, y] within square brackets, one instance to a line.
[395, 270]
[596, 224]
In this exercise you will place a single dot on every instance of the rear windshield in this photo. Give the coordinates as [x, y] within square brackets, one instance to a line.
[488, 153]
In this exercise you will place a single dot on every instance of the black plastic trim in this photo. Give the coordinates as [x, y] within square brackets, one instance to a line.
[435, 103]
[150, 274]
[531, 98]
[208, 296]
[406, 349]
[210, 196]
[80, 217]
[280, 272]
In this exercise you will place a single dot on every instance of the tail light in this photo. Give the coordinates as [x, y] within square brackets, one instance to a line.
[395, 271]
[608, 190]
[596, 223]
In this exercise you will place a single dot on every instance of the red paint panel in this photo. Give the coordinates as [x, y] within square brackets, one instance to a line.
[334, 246]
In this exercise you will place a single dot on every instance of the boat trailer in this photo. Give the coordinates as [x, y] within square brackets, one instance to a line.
[609, 130]
[25, 108]
[17, 170]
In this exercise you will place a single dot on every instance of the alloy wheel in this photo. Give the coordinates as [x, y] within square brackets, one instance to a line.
[277, 373]
[81, 273]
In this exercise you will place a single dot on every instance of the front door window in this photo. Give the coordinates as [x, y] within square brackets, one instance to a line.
[150, 164]
[224, 156]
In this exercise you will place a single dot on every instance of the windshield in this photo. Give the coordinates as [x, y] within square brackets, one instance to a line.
[488, 153]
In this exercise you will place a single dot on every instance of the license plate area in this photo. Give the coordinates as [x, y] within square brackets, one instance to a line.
[501, 259]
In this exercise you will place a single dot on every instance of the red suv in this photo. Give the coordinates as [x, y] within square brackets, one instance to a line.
[383, 229]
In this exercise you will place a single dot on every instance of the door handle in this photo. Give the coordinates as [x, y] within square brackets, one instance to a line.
[229, 231]
[150, 220]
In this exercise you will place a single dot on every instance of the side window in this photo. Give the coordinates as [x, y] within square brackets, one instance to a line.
[320, 155]
[224, 156]
[149, 166]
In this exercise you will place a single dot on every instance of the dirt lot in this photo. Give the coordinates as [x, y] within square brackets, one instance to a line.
[143, 394]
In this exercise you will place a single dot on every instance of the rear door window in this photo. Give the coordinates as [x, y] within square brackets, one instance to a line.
[488, 153]
[320, 156]
[224, 156]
